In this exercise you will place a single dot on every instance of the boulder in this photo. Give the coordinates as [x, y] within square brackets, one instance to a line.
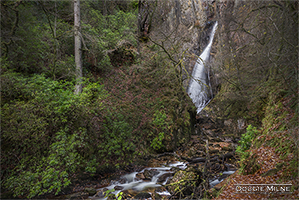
[129, 194]
[164, 177]
[183, 182]
[148, 174]
[118, 187]
[143, 195]
[140, 176]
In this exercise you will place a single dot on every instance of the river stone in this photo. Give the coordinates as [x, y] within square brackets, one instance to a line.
[163, 178]
[129, 194]
[148, 174]
[117, 187]
[140, 176]
[101, 193]
[90, 191]
[223, 176]
[143, 195]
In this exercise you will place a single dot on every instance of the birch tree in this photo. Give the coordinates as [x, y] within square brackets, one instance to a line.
[78, 52]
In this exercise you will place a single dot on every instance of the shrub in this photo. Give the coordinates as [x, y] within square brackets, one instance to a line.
[47, 134]
[161, 124]
[245, 144]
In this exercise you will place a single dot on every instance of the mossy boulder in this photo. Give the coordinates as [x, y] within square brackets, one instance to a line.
[184, 181]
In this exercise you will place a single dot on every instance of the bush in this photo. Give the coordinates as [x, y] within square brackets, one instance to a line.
[117, 140]
[48, 133]
[247, 139]
[161, 124]
[245, 144]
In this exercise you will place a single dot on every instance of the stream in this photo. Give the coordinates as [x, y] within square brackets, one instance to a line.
[134, 181]
[159, 172]
[151, 181]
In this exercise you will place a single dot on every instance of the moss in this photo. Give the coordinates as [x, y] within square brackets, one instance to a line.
[250, 165]
[259, 142]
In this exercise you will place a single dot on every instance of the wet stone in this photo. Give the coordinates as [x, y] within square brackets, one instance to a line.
[143, 195]
[90, 191]
[128, 194]
[148, 174]
[160, 189]
[118, 187]
[223, 176]
[164, 177]
[140, 176]
[101, 193]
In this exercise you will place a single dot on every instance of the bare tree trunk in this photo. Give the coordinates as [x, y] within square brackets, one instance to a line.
[105, 8]
[78, 52]
[139, 27]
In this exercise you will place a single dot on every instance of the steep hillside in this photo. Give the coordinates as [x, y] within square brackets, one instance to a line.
[257, 68]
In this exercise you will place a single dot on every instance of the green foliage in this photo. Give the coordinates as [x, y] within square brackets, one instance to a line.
[161, 123]
[44, 128]
[109, 193]
[245, 144]
[119, 195]
[157, 141]
[54, 171]
[48, 133]
[34, 47]
[246, 139]
[105, 32]
[117, 140]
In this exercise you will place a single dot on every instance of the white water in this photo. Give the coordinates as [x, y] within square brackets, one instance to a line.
[198, 86]
[132, 182]
[218, 180]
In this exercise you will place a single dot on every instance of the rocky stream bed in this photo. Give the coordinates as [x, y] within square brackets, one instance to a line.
[189, 172]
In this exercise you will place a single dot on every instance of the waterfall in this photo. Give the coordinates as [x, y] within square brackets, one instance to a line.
[199, 83]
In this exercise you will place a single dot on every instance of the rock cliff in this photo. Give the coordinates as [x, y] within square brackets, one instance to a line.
[182, 25]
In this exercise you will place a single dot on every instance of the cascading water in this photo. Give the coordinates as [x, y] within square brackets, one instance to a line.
[199, 84]
[134, 183]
